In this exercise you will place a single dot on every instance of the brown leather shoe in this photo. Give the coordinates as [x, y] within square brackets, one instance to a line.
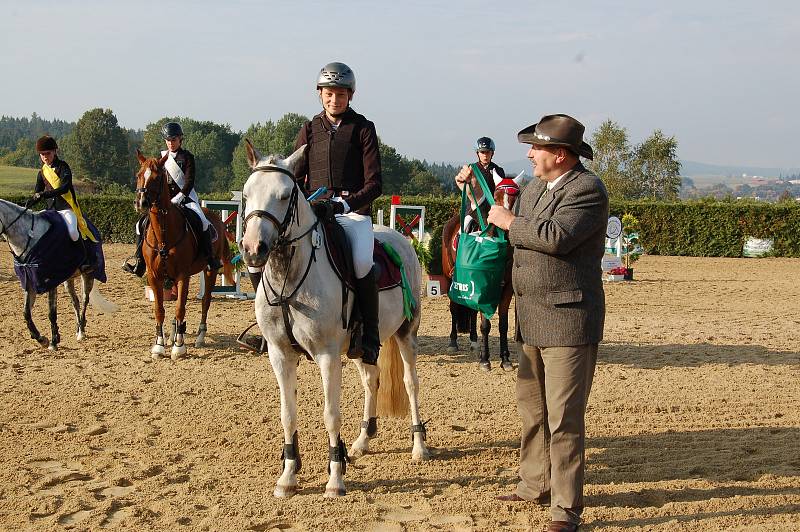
[513, 497]
[560, 526]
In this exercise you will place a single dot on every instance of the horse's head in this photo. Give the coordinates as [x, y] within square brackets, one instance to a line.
[149, 181]
[506, 190]
[273, 203]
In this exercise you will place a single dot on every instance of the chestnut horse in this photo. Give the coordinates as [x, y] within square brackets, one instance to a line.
[171, 251]
[462, 318]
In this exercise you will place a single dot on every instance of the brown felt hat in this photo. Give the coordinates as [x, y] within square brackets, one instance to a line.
[557, 130]
[46, 143]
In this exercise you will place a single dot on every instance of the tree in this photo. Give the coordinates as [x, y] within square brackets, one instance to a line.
[270, 139]
[211, 144]
[97, 148]
[23, 155]
[656, 166]
[612, 157]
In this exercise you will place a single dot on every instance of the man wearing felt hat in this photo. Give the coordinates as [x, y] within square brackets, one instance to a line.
[558, 232]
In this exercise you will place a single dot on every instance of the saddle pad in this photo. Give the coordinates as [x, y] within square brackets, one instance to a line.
[387, 274]
[55, 257]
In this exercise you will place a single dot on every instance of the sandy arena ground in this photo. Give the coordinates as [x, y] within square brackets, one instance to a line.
[693, 422]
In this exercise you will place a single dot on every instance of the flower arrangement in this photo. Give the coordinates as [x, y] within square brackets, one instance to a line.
[619, 270]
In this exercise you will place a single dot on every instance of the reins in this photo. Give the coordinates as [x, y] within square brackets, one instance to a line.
[160, 213]
[4, 230]
[283, 241]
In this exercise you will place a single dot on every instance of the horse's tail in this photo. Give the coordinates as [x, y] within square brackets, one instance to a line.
[100, 303]
[392, 396]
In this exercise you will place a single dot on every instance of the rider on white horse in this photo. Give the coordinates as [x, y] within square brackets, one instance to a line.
[54, 184]
[342, 155]
[180, 168]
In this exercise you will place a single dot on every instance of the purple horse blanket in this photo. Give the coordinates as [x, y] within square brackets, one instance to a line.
[55, 257]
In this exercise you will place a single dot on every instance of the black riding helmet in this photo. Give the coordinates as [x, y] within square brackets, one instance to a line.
[171, 129]
[484, 143]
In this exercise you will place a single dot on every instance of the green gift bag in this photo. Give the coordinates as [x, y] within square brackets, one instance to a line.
[480, 260]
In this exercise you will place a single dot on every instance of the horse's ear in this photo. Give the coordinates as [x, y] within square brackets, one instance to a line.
[496, 177]
[140, 156]
[253, 155]
[296, 160]
[163, 159]
[520, 178]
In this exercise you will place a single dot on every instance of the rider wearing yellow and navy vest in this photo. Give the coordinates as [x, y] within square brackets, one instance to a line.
[342, 155]
[54, 184]
[179, 167]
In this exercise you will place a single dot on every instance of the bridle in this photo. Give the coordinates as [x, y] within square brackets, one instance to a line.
[4, 230]
[155, 208]
[283, 241]
[291, 212]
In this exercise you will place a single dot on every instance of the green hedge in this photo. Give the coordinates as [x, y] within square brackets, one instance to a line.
[713, 228]
[691, 228]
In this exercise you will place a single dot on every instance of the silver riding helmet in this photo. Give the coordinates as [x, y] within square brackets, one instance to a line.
[336, 75]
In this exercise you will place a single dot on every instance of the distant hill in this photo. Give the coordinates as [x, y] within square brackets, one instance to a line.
[701, 173]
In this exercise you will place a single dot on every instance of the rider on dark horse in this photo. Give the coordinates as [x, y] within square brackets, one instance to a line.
[342, 155]
[484, 148]
[180, 168]
[54, 184]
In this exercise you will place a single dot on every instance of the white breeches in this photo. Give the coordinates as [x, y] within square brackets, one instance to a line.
[358, 229]
[72, 223]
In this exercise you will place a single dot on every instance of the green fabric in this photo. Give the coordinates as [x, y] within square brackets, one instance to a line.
[408, 298]
[480, 260]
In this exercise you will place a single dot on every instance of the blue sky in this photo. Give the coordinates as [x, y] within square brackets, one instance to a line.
[722, 76]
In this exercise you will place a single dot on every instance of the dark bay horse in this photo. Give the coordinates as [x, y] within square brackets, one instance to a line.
[464, 319]
[171, 251]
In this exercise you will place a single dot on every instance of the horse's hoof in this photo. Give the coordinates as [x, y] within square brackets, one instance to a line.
[199, 342]
[356, 452]
[506, 365]
[42, 341]
[284, 492]
[178, 351]
[451, 349]
[157, 351]
[474, 346]
[332, 493]
[421, 456]
[485, 365]
[52, 347]
[80, 336]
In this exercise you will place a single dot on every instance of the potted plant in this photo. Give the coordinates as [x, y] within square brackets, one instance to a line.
[631, 250]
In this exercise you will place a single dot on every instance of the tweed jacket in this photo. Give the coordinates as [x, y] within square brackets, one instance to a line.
[559, 238]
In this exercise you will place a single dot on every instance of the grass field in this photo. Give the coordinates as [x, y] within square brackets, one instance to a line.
[17, 179]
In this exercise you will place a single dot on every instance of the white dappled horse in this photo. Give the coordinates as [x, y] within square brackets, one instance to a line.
[300, 299]
[22, 229]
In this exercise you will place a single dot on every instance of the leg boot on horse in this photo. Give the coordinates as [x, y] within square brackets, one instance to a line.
[367, 296]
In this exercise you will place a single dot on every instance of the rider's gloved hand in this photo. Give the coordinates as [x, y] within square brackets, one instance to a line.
[36, 196]
[326, 208]
[178, 199]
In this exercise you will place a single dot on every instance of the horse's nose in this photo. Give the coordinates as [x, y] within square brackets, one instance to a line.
[262, 248]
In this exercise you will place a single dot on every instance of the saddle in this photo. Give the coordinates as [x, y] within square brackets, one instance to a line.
[55, 257]
[337, 248]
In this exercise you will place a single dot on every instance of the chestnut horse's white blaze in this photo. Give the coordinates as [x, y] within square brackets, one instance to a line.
[281, 235]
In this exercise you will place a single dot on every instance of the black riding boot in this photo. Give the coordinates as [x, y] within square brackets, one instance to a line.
[213, 262]
[89, 259]
[138, 266]
[255, 278]
[367, 295]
